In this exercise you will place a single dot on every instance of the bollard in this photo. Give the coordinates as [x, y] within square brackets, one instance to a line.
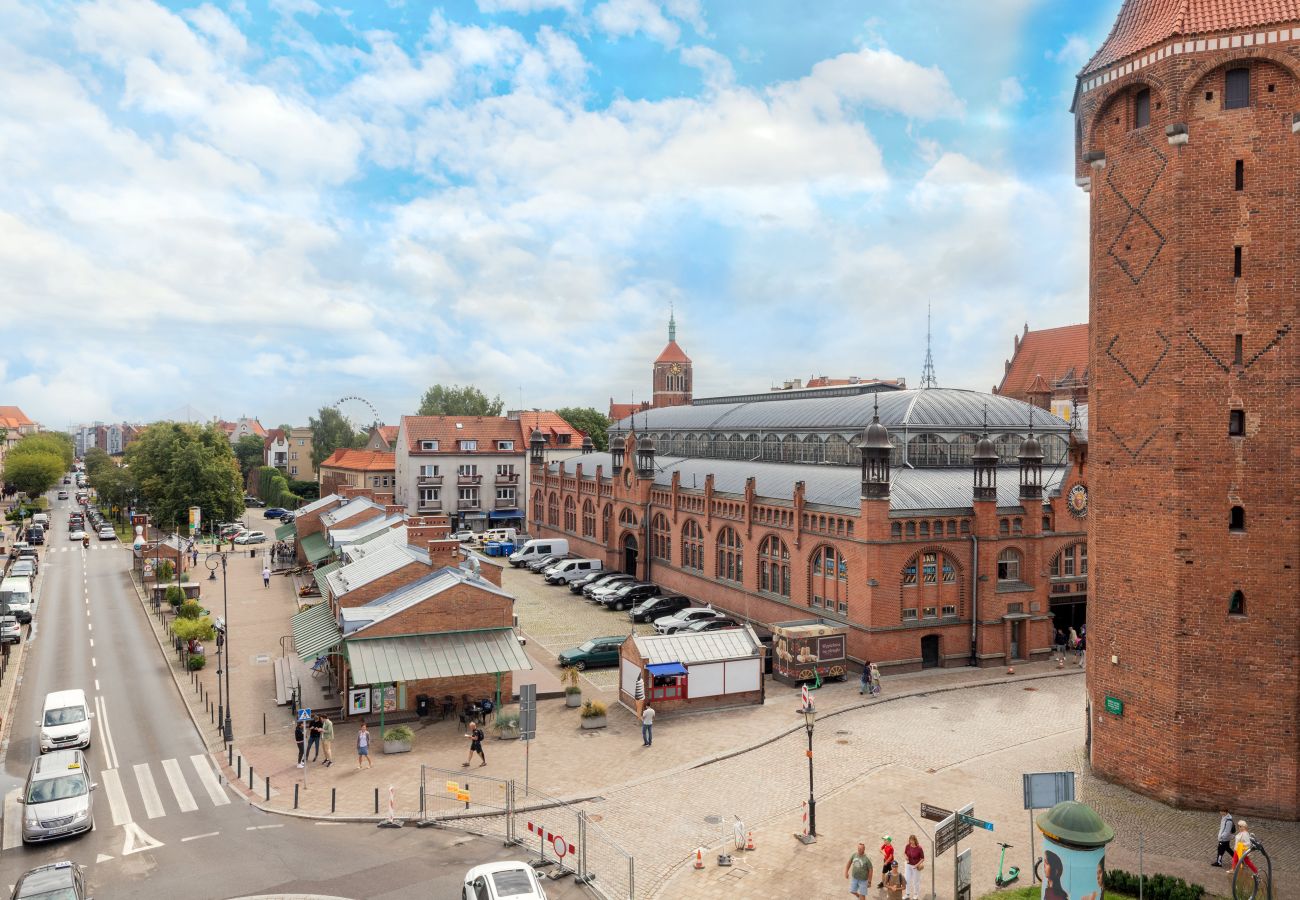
[230, 754]
[239, 765]
[376, 801]
[333, 798]
[295, 795]
[250, 776]
[268, 790]
[212, 715]
[263, 723]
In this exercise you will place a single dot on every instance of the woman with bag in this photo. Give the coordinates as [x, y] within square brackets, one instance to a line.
[912, 871]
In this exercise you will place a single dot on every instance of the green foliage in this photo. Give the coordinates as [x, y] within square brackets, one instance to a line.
[164, 570]
[177, 465]
[96, 459]
[592, 709]
[329, 432]
[189, 609]
[194, 629]
[304, 490]
[440, 400]
[197, 661]
[114, 485]
[588, 420]
[249, 452]
[174, 595]
[25, 511]
[506, 721]
[55, 443]
[401, 733]
[1155, 887]
[273, 488]
[33, 472]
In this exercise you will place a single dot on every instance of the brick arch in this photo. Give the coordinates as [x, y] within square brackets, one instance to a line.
[918, 594]
[1102, 98]
[1202, 70]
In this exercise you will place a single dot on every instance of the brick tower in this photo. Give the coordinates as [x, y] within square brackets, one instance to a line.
[1188, 139]
[672, 372]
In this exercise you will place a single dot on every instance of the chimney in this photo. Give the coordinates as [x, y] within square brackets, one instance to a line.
[394, 509]
[347, 491]
[420, 530]
[444, 553]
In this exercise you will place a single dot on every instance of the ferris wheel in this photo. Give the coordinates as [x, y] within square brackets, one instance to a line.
[358, 412]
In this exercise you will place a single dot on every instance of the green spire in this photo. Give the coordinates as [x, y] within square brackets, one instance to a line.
[672, 325]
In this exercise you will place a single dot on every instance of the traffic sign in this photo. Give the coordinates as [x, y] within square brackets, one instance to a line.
[974, 822]
[304, 714]
[934, 813]
[528, 711]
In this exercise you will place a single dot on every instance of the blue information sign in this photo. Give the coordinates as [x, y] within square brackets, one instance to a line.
[304, 715]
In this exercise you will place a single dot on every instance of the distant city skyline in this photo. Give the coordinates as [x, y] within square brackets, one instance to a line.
[256, 208]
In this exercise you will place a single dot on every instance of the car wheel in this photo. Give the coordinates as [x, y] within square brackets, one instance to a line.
[618, 607]
[580, 665]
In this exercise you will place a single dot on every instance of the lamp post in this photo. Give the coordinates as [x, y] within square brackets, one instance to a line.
[214, 559]
[809, 717]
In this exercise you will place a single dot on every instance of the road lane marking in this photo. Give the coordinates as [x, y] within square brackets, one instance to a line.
[92, 662]
[195, 837]
[92, 643]
[261, 827]
[209, 779]
[153, 807]
[13, 825]
[116, 796]
[90, 627]
[184, 799]
[106, 728]
[137, 840]
[96, 684]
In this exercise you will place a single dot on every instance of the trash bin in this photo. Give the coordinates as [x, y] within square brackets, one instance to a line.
[422, 705]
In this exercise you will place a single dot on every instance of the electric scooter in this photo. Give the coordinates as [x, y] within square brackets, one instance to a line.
[1013, 873]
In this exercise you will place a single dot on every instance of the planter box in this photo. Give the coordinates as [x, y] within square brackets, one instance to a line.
[397, 746]
[507, 734]
[594, 722]
[573, 701]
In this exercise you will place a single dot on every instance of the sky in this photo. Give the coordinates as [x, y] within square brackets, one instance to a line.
[259, 207]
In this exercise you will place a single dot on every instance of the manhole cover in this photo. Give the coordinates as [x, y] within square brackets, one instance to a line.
[841, 741]
[842, 731]
[713, 820]
[1030, 689]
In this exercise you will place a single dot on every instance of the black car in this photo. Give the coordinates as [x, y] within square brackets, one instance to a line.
[630, 595]
[709, 625]
[606, 582]
[594, 579]
[653, 607]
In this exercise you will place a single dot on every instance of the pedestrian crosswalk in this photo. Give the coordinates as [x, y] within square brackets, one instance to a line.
[139, 792]
[75, 547]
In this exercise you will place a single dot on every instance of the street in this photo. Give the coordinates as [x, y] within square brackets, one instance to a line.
[165, 825]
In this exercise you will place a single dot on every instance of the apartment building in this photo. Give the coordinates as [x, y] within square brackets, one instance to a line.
[299, 463]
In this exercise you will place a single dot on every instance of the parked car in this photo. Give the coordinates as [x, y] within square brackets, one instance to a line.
[674, 623]
[57, 799]
[10, 631]
[708, 625]
[231, 530]
[540, 564]
[65, 880]
[601, 651]
[250, 500]
[606, 581]
[23, 568]
[463, 536]
[67, 480]
[106, 533]
[275, 512]
[572, 570]
[630, 595]
[606, 590]
[659, 607]
[251, 537]
[576, 586]
[536, 548]
[63, 495]
[35, 534]
[502, 880]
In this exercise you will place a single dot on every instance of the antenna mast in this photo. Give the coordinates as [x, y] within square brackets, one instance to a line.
[928, 379]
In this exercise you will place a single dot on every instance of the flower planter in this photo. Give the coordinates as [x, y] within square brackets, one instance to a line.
[507, 734]
[593, 722]
[397, 746]
[573, 701]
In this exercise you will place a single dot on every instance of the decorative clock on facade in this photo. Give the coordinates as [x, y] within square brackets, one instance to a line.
[1077, 500]
[675, 369]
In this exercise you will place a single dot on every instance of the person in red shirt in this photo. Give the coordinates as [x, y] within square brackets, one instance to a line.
[912, 871]
[887, 851]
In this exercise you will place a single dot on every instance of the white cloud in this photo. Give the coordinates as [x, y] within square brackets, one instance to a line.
[716, 68]
[1073, 52]
[624, 18]
[525, 7]
[1010, 93]
[877, 78]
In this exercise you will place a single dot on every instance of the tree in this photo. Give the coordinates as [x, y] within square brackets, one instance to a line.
[586, 419]
[249, 451]
[34, 473]
[176, 465]
[329, 432]
[53, 443]
[441, 400]
[96, 459]
[114, 485]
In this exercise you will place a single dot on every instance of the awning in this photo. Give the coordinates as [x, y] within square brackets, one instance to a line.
[316, 548]
[320, 575]
[506, 514]
[286, 530]
[473, 515]
[673, 668]
[446, 655]
[315, 630]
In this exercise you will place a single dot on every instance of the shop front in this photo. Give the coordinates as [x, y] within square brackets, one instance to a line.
[691, 671]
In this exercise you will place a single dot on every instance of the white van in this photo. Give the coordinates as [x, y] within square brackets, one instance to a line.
[537, 548]
[571, 570]
[499, 534]
[16, 597]
[42, 519]
[65, 721]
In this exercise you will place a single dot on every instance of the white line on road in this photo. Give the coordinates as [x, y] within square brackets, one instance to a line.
[116, 796]
[13, 825]
[149, 792]
[261, 827]
[92, 662]
[90, 627]
[92, 643]
[96, 684]
[195, 837]
[184, 798]
[209, 779]
[106, 728]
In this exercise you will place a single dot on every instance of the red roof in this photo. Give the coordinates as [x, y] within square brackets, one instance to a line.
[620, 411]
[1141, 24]
[551, 425]
[673, 353]
[487, 430]
[388, 432]
[1059, 355]
[13, 417]
[275, 434]
[360, 461]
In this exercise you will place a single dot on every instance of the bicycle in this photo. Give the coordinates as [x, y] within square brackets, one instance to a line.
[1247, 879]
[1013, 873]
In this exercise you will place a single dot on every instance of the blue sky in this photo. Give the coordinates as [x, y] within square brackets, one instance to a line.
[259, 206]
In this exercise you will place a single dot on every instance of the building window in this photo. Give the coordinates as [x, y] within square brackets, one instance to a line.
[469, 446]
[293, 470]
[911, 529]
[506, 469]
[1142, 108]
[469, 497]
[949, 611]
[1008, 566]
[553, 510]
[1237, 604]
[909, 614]
[588, 519]
[1004, 527]
[661, 538]
[537, 507]
[1236, 262]
[424, 445]
[1236, 349]
[605, 518]
[692, 546]
[293, 455]
[668, 687]
[924, 529]
[909, 573]
[730, 556]
[830, 580]
[504, 445]
[428, 471]
[1239, 175]
[929, 612]
[506, 495]
[774, 566]
[1236, 89]
[302, 443]
[627, 518]
[1236, 422]
[930, 568]
[570, 515]
[1237, 519]
[896, 530]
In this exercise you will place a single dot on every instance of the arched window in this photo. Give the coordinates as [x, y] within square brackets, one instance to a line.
[570, 515]
[735, 447]
[1008, 445]
[730, 556]
[1237, 604]
[692, 546]
[911, 529]
[952, 527]
[925, 529]
[1055, 449]
[811, 449]
[830, 580]
[927, 450]
[1071, 562]
[661, 538]
[774, 566]
[789, 448]
[606, 515]
[588, 519]
[930, 587]
[750, 448]
[896, 451]
[1004, 526]
[836, 450]
[553, 511]
[1017, 525]
[627, 518]
[1009, 565]
[960, 450]
[538, 511]
[896, 530]
[771, 448]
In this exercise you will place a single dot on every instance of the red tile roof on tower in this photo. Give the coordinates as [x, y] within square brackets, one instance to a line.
[13, 417]
[673, 353]
[360, 460]
[1059, 355]
[487, 430]
[1141, 24]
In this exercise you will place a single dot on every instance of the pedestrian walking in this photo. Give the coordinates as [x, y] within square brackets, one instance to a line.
[327, 739]
[266, 577]
[1058, 645]
[299, 738]
[1225, 838]
[475, 745]
[864, 683]
[647, 725]
[1074, 642]
[887, 862]
[894, 884]
[858, 871]
[1243, 842]
[1083, 650]
[875, 679]
[313, 739]
[363, 747]
[912, 870]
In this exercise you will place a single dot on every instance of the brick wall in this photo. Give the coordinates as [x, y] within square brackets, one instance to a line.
[384, 584]
[459, 608]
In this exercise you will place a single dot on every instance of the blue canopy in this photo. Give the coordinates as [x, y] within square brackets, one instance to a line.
[672, 668]
[505, 514]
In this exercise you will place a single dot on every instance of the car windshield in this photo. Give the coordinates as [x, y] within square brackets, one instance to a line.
[68, 715]
[513, 883]
[47, 884]
[64, 787]
[588, 646]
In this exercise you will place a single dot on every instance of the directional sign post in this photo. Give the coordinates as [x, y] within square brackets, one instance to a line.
[934, 813]
[974, 822]
[527, 723]
[304, 716]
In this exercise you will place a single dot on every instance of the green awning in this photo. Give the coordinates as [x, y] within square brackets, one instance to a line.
[316, 548]
[287, 530]
[321, 574]
[315, 630]
[448, 655]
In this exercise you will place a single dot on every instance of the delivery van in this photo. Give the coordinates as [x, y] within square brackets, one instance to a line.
[16, 597]
[571, 570]
[537, 548]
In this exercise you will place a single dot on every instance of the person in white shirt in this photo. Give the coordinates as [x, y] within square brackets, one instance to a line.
[647, 725]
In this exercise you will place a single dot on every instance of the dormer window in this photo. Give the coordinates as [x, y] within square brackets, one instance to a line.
[469, 446]
[429, 445]
[505, 445]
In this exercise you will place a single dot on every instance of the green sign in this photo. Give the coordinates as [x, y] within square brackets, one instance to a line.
[1115, 706]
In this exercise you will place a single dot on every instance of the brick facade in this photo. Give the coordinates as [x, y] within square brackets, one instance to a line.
[1193, 311]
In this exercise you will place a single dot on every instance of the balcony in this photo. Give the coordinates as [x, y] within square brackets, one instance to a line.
[469, 479]
[430, 506]
[467, 504]
[508, 478]
[507, 503]
[428, 481]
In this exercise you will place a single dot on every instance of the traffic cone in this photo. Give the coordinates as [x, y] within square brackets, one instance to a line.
[749, 840]
[699, 857]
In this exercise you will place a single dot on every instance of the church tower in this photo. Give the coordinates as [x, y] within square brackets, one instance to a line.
[1187, 137]
[672, 372]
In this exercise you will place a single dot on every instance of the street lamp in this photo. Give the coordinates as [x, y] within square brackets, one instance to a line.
[809, 718]
[212, 560]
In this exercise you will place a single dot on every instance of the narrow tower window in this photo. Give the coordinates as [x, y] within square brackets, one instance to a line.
[1237, 604]
[1142, 108]
[1237, 519]
[1236, 422]
[1236, 350]
[1236, 89]
[1236, 262]
[1239, 176]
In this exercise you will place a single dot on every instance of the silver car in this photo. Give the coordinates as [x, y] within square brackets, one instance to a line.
[57, 800]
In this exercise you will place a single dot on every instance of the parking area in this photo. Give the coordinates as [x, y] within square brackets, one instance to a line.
[558, 620]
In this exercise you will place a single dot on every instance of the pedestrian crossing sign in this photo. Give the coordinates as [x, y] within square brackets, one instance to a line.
[304, 715]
